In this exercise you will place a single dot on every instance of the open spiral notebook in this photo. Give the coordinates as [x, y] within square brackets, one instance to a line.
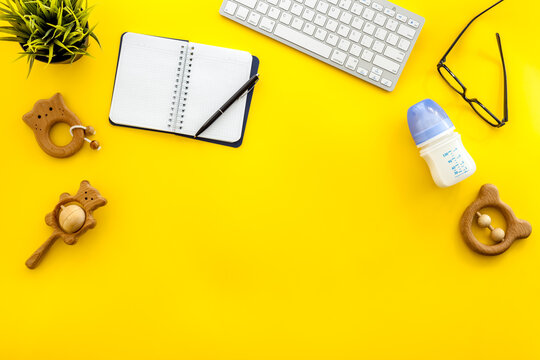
[174, 86]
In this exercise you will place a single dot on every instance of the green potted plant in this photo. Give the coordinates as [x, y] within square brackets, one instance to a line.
[51, 31]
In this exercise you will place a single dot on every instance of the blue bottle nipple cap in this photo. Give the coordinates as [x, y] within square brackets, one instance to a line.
[427, 120]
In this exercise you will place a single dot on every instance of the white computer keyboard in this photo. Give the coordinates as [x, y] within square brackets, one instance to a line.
[370, 39]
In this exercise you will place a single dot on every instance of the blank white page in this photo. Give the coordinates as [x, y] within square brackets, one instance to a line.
[145, 80]
[216, 74]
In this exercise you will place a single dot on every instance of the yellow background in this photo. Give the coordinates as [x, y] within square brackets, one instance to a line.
[322, 237]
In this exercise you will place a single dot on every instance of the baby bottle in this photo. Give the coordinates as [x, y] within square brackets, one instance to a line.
[441, 147]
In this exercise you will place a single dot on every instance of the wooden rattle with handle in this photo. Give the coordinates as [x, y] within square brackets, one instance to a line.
[71, 218]
[516, 228]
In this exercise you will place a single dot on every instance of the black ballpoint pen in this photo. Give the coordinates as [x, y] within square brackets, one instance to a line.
[248, 86]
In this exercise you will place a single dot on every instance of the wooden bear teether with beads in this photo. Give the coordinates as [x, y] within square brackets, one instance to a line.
[71, 218]
[46, 114]
[516, 228]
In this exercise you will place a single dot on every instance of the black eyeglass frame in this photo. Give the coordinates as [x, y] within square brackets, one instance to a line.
[463, 92]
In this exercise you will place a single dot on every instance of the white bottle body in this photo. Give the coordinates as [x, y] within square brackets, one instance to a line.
[447, 158]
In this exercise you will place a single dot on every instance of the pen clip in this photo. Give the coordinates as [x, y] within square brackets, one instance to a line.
[250, 90]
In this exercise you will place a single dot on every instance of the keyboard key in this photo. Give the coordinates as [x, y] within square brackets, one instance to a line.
[394, 54]
[322, 7]
[406, 31]
[309, 29]
[392, 25]
[378, 46]
[376, 70]
[357, 23]
[404, 44]
[338, 57]
[267, 24]
[362, 71]
[242, 13]
[320, 19]
[343, 30]
[254, 18]
[368, 14]
[386, 82]
[355, 50]
[346, 18]
[377, 6]
[366, 41]
[286, 18]
[332, 39]
[332, 25]
[334, 2]
[262, 7]
[366, 2]
[311, 3]
[334, 12]
[367, 55]
[297, 9]
[344, 45]
[369, 28]
[285, 4]
[274, 13]
[355, 36]
[321, 34]
[413, 23]
[357, 9]
[381, 34]
[386, 64]
[230, 8]
[401, 17]
[379, 19]
[309, 14]
[297, 23]
[302, 40]
[374, 76]
[273, 2]
[389, 12]
[249, 3]
[392, 39]
[345, 4]
[351, 63]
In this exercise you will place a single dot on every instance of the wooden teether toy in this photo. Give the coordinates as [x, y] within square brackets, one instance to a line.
[516, 228]
[47, 113]
[72, 217]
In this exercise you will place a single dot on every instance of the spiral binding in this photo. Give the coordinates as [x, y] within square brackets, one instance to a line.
[181, 88]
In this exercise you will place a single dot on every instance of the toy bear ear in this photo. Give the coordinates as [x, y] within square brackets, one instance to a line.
[525, 229]
[489, 190]
[57, 99]
[27, 118]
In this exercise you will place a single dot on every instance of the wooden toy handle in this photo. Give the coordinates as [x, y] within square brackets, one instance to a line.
[34, 260]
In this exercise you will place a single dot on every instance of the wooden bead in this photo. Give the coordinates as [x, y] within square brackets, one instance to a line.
[94, 145]
[484, 221]
[497, 235]
[71, 218]
[89, 131]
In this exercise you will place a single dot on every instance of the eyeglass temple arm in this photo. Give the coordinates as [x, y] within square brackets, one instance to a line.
[505, 79]
[443, 59]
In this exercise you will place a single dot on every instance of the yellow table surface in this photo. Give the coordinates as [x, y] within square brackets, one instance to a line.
[322, 237]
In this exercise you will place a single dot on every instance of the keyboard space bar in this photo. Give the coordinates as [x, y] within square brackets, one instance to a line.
[303, 40]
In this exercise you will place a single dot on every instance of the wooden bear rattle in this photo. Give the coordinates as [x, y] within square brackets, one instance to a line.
[72, 217]
[47, 113]
[516, 228]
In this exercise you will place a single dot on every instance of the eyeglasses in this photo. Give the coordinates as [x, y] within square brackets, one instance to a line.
[458, 86]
